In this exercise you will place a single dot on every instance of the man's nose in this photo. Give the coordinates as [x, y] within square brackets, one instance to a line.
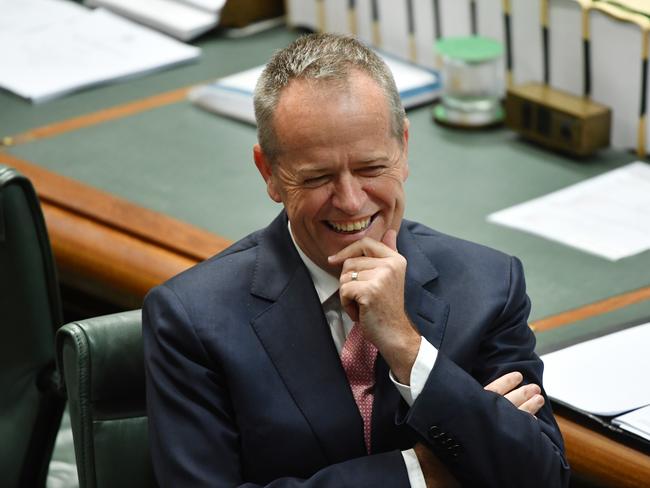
[349, 195]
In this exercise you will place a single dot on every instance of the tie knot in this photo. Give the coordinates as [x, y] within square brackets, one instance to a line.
[358, 356]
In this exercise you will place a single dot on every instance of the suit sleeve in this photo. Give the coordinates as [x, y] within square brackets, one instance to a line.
[481, 437]
[193, 432]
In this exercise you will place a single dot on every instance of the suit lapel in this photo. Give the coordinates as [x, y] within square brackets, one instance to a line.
[428, 312]
[295, 334]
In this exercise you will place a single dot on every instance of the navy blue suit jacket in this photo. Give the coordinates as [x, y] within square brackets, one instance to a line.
[245, 386]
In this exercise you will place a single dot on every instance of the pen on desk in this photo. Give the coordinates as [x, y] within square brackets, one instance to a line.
[508, 39]
[413, 54]
[352, 17]
[376, 34]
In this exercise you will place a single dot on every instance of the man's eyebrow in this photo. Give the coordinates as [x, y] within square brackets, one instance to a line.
[311, 168]
[372, 159]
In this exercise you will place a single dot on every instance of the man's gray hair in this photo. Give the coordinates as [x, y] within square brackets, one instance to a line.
[319, 57]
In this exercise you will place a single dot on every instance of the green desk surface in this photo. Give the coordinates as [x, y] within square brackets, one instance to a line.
[198, 167]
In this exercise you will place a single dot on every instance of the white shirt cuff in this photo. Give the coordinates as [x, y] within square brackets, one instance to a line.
[413, 469]
[424, 362]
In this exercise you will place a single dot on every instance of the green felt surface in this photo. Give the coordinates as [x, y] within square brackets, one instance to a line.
[198, 167]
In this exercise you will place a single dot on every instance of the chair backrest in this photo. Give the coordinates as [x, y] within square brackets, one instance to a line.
[30, 313]
[102, 362]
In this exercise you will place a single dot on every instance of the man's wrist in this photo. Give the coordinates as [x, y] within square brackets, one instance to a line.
[422, 367]
[401, 354]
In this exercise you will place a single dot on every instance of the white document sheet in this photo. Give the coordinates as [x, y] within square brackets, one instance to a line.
[608, 215]
[604, 376]
[637, 422]
[181, 20]
[53, 47]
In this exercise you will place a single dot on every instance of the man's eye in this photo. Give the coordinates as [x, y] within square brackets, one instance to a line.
[316, 181]
[370, 170]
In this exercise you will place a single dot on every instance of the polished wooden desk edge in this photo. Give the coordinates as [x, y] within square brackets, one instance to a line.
[105, 262]
[81, 201]
[609, 461]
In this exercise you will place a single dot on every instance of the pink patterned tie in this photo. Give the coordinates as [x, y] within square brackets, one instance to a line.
[358, 358]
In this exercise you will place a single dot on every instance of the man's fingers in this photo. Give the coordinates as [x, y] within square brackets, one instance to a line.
[505, 383]
[533, 405]
[362, 247]
[359, 264]
[527, 397]
[347, 296]
[522, 394]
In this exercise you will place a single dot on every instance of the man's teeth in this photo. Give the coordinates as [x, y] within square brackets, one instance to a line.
[351, 226]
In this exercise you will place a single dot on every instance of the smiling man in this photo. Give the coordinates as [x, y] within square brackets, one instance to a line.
[343, 345]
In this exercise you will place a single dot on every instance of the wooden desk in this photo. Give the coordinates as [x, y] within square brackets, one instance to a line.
[137, 185]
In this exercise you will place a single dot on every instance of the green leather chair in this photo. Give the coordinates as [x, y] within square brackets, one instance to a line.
[30, 313]
[102, 362]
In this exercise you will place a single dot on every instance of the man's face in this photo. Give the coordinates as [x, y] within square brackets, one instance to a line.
[340, 170]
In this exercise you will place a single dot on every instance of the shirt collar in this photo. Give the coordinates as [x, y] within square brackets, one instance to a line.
[326, 284]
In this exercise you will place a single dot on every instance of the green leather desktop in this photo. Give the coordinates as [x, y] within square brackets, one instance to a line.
[180, 178]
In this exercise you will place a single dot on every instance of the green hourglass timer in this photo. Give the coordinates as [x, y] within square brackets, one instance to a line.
[471, 83]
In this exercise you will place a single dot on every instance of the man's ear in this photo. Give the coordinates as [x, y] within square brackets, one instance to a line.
[405, 146]
[266, 170]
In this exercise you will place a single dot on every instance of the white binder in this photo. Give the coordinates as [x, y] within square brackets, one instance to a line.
[526, 41]
[566, 48]
[616, 49]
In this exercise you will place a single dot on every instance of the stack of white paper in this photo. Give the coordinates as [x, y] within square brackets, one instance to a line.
[54, 47]
[604, 376]
[607, 376]
[637, 422]
[608, 215]
[233, 95]
[183, 19]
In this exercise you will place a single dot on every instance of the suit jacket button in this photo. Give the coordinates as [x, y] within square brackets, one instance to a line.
[435, 433]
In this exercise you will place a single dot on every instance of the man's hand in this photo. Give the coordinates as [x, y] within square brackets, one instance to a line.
[527, 398]
[375, 299]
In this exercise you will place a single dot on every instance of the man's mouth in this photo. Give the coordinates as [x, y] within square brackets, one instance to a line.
[350, 226]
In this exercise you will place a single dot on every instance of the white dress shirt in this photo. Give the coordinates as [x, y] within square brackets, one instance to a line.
[340, 325]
